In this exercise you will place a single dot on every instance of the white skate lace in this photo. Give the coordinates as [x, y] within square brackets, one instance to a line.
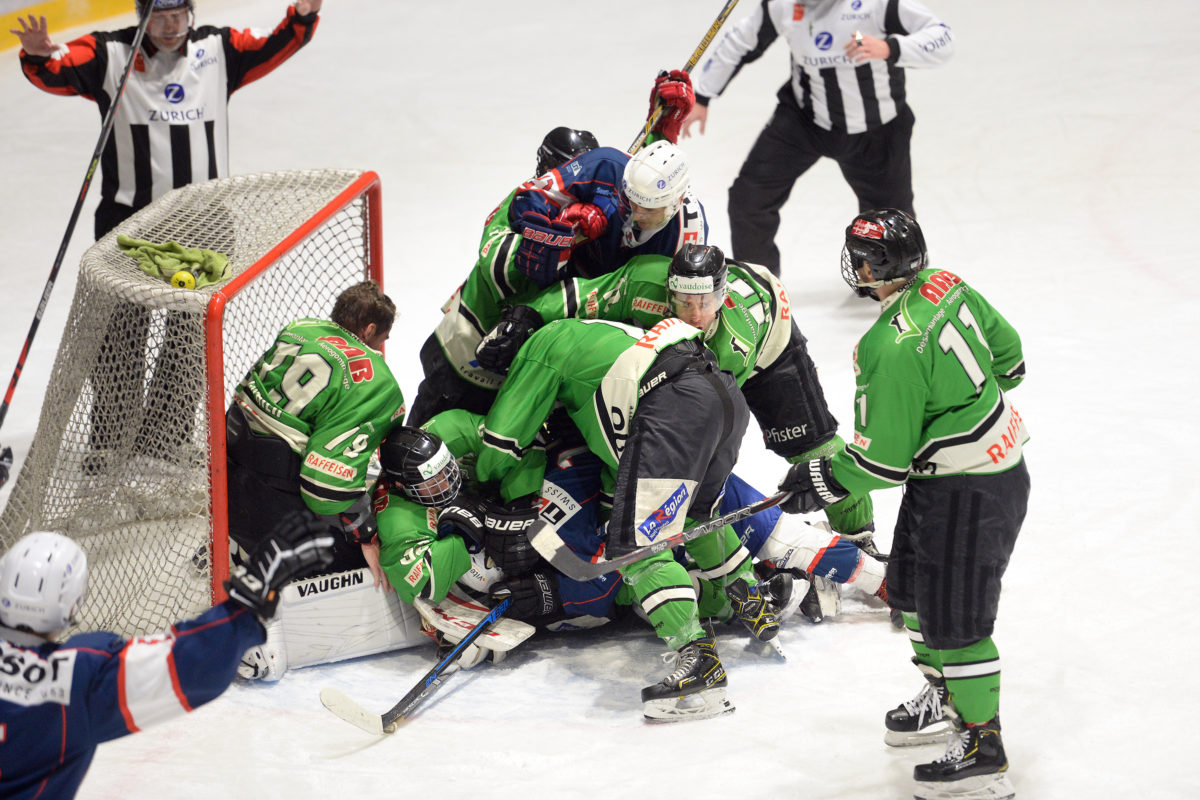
[928, 701]
[957, 747]
[682, 661]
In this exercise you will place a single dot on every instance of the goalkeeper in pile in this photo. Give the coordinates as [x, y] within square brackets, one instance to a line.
[932, 414]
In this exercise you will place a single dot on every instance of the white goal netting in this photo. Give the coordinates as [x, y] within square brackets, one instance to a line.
[128, 458]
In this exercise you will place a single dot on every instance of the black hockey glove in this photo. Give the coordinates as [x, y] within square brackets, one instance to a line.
[544, 249]
[299, 545]
[535, 597]
[499, 347]
[357, 522]
[812, 486]
[506, 540]
[464, 517]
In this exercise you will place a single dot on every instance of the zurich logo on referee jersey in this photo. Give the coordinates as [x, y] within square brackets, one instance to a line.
[824, 40]
[173, 92]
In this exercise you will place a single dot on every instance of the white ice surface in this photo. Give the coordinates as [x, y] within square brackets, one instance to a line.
[1055, 168]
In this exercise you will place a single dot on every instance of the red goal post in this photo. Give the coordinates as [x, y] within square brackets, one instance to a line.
[129, 454]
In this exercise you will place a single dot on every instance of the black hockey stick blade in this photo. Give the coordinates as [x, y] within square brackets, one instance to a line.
[550, 546]
[379, 724]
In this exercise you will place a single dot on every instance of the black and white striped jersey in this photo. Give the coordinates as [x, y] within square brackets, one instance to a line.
[171, 126]
[832, 91]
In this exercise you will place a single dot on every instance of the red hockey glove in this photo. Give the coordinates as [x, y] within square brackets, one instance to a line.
[674, 91]
[587, 219]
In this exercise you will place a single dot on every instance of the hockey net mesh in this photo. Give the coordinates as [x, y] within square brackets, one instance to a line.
[121, 458]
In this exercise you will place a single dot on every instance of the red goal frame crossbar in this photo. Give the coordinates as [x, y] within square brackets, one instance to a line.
[367, 185]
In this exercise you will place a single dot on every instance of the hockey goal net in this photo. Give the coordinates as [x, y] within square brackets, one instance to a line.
[129, 454]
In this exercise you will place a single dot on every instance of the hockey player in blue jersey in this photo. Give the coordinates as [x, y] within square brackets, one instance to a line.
[592, 214]
[58, 702]
[588, 210]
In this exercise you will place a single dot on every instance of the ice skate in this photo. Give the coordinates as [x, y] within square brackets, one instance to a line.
[754, 608]
[973, 768]
[927, 718]
[263, 663]
[823, 599]
[695, 689]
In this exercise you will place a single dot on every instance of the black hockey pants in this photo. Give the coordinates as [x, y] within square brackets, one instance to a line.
[877, 164]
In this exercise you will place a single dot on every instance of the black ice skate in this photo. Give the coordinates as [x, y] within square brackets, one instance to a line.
[754, 608]
[695, 689]
[927, 718]
[974, 767]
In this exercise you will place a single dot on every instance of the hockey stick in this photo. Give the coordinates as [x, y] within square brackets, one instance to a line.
[106, 127]
[379, 724]
[688, 67]
[550, 546]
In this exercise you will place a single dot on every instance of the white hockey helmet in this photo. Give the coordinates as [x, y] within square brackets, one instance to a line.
[43, 581]
[657, 177]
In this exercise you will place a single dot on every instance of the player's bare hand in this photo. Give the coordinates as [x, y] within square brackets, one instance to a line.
[35, 37]
[699, 114]
[371, 554]
[862, 48]
[305, 7]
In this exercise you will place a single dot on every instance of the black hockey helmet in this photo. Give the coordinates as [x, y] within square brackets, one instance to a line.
[891, 243]
[419, 463]
[697, 269]
[561, 145]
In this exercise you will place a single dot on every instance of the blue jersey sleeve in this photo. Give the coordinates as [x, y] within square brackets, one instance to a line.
[58, 702]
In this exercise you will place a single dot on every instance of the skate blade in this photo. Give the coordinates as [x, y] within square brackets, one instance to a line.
[930, 735]
[702, 705]
[978, 787]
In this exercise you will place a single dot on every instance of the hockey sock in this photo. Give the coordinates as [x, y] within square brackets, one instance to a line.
[973, 679]
[925, 655]
[664, 592]
[721, 557]
[711, 598]
[850, 514]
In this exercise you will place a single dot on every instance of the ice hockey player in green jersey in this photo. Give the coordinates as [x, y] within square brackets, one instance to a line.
[667, 422]
[306, 419]
[747, 321]
[452, 378]
[931, 413]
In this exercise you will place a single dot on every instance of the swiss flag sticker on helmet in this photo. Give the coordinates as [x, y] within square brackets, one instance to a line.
[866, 229]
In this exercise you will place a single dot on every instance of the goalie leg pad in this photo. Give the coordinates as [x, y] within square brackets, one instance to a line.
[453, 617]
[338, 616]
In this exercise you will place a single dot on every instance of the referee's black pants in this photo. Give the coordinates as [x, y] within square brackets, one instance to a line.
[876, 164]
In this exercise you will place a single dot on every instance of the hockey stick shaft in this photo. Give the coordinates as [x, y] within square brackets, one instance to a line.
[550, 546]
[688, 67]
[106, 127]
[432, 679]
[378, 724]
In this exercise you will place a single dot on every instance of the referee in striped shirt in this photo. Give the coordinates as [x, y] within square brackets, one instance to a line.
[844, 99]
[171, 127]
